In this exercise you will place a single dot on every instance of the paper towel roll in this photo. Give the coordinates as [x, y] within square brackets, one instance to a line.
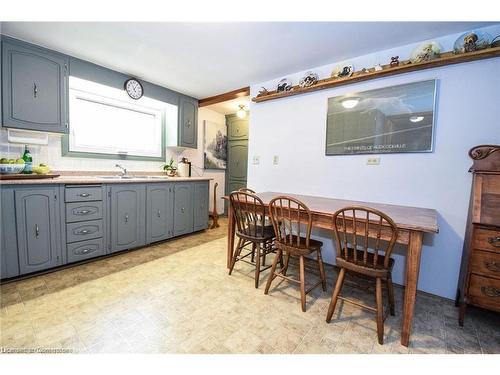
[183, 169]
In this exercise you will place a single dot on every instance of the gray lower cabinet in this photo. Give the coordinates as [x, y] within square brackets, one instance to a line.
[183, 208]
[188, 122]
[128, 216]
[38, 224]
[35, 88]
[200, 205]
[9, 261]
[159, 212]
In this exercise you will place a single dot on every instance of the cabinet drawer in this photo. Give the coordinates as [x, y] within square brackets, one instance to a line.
[83, 211]
[84, 230]
[83, 194]
[485, 292]
[485, 263]
[85, 250]
[486, 239]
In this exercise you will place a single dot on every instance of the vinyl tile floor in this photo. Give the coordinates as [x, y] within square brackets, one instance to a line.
[177, 297]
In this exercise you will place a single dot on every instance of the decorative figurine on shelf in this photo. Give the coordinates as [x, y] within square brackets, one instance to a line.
[343, 71]
[308, 80]
[263, 92]
[284, 85]
[364, 71]
[378, 68]
[471, 41]
[425, 52]
[394, 61]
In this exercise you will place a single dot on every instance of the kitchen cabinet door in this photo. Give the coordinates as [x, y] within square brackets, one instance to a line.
[237, 155]
[183, 208]
[159, 212]
[237, 128]
[200, 201]
[188, 122]
[128, 216]
[9, 261]
[35, 88]
[38, 226]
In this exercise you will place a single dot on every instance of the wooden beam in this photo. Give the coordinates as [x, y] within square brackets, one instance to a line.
[239, 93]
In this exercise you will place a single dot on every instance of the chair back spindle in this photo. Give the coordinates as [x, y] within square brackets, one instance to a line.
[248, 214]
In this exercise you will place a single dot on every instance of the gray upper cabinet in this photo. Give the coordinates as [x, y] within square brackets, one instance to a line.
[237, 128]
[237, 155]
[35, 88]
[188, 122]
[183, 208]
[37, 219]
[128, 216]
[159, 212]
[200, 203]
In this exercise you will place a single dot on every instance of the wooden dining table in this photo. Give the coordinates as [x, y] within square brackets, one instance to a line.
[412, 223]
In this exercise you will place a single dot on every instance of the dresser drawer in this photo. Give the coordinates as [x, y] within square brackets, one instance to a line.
[486, 239]
[84, 230]
[83, 193]
[83, 211]
[85, 250]
[485, 292]
[485, 263]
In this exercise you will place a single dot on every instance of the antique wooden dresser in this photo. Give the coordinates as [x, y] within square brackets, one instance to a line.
[479, 282]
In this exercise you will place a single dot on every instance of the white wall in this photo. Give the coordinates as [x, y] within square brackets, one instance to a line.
[52, 156]
[467, 114]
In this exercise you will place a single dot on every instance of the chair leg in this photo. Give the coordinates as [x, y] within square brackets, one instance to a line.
[264, 251]
[302, 283]
[257, 264]
[461, 314]
[335, 295]
[273, 271]
[321, 271]
[390, 292]
[235, 255]
[380, 311]
[253, 253]
[287, 260]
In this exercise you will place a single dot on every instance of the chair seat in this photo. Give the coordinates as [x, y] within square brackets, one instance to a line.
[268, 233]
[300, 248]
[366, 269]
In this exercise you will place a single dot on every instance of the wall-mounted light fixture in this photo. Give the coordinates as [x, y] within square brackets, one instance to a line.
[241, 112]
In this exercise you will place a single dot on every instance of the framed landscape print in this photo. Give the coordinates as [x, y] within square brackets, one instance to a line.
[215, 145]
[388, 120]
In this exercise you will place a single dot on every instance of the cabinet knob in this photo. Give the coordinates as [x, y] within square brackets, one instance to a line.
[492, 266]
[82, 212]
[37, 231]
[159, 213]
[83, 231]
[188, 124]
[84, 195]
[126, 218]
[35, 90]
[182, 209]
[494, 241]
[490, 291]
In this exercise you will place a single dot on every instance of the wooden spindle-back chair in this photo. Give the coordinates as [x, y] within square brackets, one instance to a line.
[292, 222]
[352, 227]
[249, 214]
[246, 190]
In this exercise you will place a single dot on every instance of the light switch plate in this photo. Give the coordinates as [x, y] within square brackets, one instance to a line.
[256, 160]
[276, 159]
[373, 161]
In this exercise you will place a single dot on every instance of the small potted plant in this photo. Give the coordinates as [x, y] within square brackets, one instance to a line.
[169, 168]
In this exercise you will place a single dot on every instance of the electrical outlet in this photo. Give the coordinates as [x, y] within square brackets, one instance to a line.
[256, 160]
[276, 159]
[373, 161]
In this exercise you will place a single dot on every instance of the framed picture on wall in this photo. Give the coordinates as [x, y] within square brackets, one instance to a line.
[395, 119]
[215, 145]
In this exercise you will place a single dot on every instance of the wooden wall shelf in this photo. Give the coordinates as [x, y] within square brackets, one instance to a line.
[447, 58]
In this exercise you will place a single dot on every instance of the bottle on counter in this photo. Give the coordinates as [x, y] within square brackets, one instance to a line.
[28, 161]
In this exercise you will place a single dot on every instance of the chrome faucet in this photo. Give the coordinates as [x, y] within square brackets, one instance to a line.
[124, 170]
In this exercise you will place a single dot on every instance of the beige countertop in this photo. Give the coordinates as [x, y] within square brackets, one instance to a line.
[96, 179]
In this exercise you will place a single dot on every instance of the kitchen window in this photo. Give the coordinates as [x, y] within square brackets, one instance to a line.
[106, 123]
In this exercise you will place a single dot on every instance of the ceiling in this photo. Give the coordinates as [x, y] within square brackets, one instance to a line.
[230, 106]
[206, 59]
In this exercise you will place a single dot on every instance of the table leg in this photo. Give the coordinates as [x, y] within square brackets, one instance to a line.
[412, 269]
[230, 236]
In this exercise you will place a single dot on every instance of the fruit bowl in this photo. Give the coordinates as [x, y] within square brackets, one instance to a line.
[11, 168]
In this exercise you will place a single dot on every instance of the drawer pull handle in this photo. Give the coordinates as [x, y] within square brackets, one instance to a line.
[83, 231]
[494, 241]
[82, 212]
[126, 218]
[492, 266]
[182, 209]
[159, 213]
[84, 195]
[35, 90]
[85, 251]
[490, 291]
[37, 231]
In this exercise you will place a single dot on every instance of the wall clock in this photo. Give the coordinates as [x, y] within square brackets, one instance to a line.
[133, 88]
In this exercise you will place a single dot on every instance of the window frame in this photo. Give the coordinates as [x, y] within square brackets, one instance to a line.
[66, 152]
